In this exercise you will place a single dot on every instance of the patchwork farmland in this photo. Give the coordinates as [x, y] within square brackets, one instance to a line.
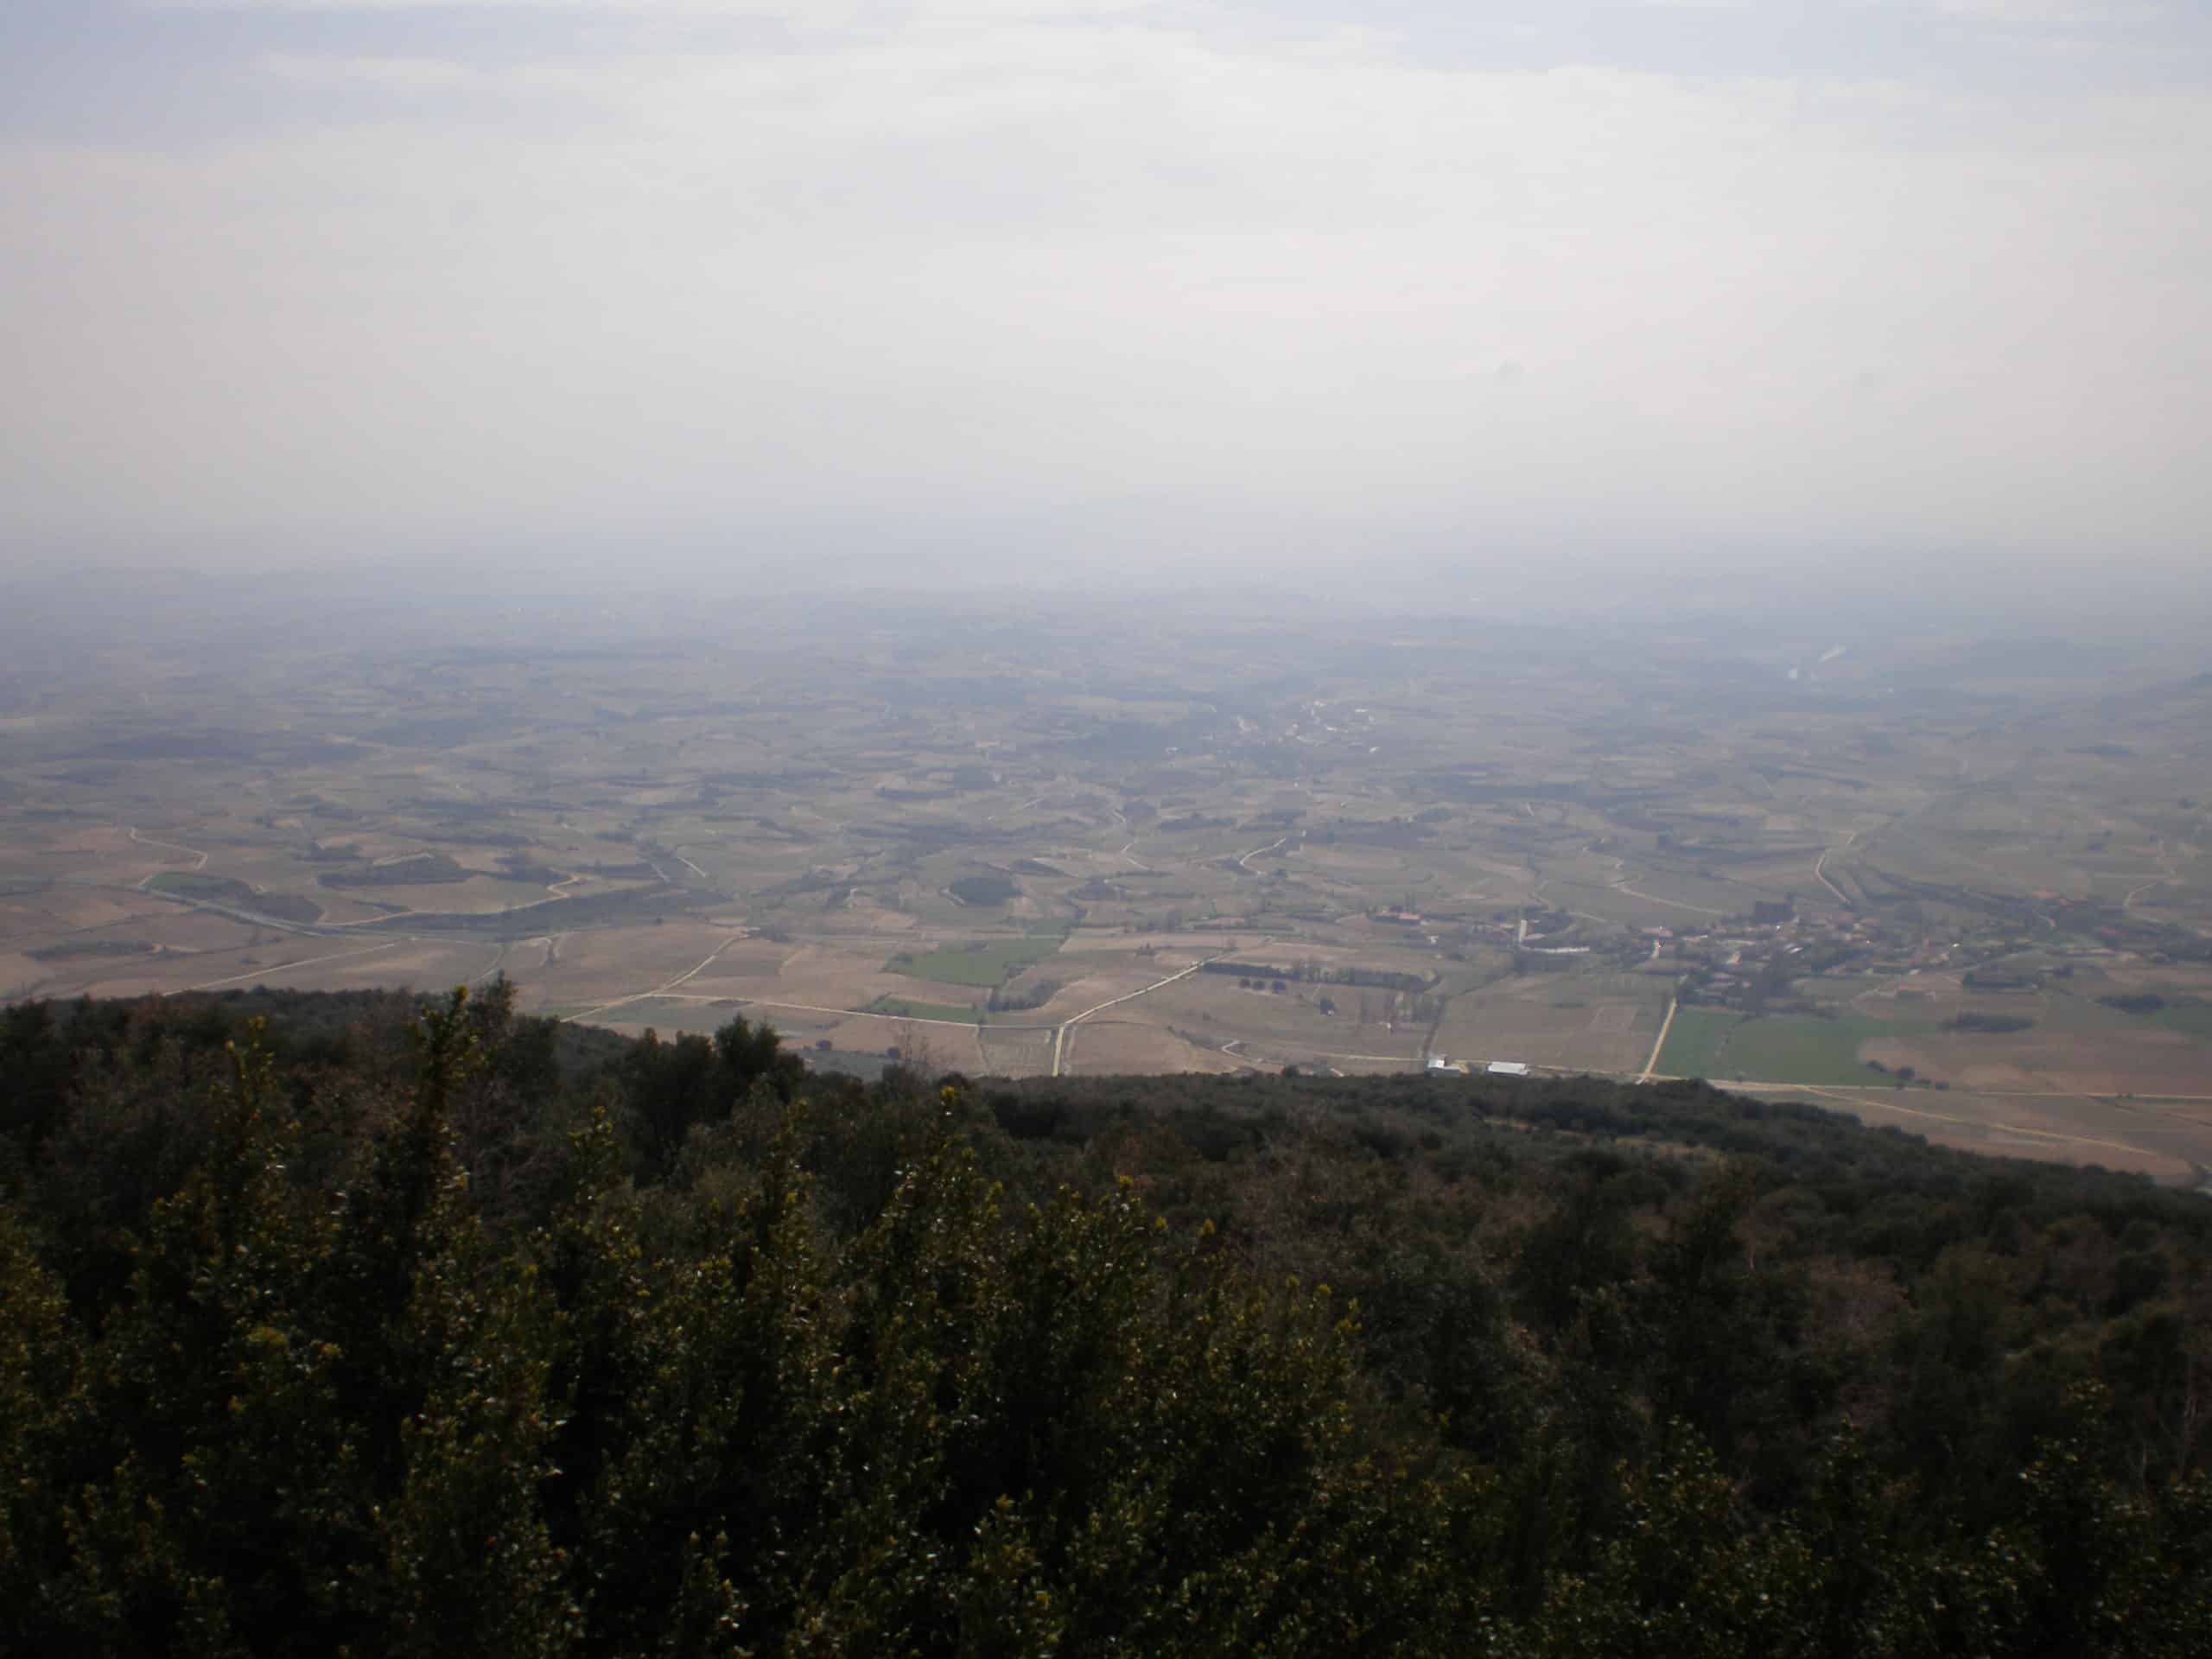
[1118, 843]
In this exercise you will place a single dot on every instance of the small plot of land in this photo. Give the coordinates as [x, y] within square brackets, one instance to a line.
[191, 884]
[417, 869]
[427, 965]
[1644, 907]
[1775, 1048]
[171, 927]
[1570, 1022]
[900, 1008]
[295, 963]
[224, 890]
[2192, 1018]
[1088, 981]
[985, 963]
[1801, 1048]
[985, 892]
[573, 971]
[1016, 1053]
[71, 951]
[671, 1016]
[1695, 1041]
[73, 910]
[2047, 1039]
[1105, 1046]
[1288, 1024]
[476, 896]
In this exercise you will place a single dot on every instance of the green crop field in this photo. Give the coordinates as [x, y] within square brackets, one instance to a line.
[1695, 1040]
[1790, 1048]
[960, 1013]
[984, 964]
[1780, 1048]
[2191, 1018]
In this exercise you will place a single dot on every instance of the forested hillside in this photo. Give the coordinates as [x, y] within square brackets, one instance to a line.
[377, 1325]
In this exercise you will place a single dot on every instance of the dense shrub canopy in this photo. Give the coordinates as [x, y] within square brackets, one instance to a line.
[368, 1324]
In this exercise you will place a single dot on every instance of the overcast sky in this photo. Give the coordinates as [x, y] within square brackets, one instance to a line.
[987, 282]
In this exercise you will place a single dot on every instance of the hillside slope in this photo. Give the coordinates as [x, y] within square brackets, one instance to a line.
[377, 1325]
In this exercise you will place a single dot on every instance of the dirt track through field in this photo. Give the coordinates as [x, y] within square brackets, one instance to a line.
[662, 990]
[1060, 1037]
[174, 846]
[286, 967]
[1659, 1043]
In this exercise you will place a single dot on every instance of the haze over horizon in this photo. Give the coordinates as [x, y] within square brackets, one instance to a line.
[971, 286]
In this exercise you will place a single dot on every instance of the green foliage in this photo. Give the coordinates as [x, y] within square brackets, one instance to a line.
[1777, 1048]
[986, 892]
[983, 963]
[417, 869]
[674, 1087]
[191, 885]
[907, 1008]
[376, 1344]
[1992, 1024]
[2135, 1002]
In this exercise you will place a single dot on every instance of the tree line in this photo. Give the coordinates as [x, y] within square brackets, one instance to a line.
[393, 1325]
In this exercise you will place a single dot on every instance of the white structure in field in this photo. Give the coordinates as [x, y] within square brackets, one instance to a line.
[1508, 1068]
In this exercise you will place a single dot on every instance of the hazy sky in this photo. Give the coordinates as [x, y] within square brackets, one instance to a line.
[1106, 281]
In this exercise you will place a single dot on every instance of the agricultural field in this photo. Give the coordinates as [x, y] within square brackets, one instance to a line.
[1721, 1046]
[1696, 1043]
[2163, 1141]
[1557, 1021]
[900, 1008]
[987, 962]
[1931, 874]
